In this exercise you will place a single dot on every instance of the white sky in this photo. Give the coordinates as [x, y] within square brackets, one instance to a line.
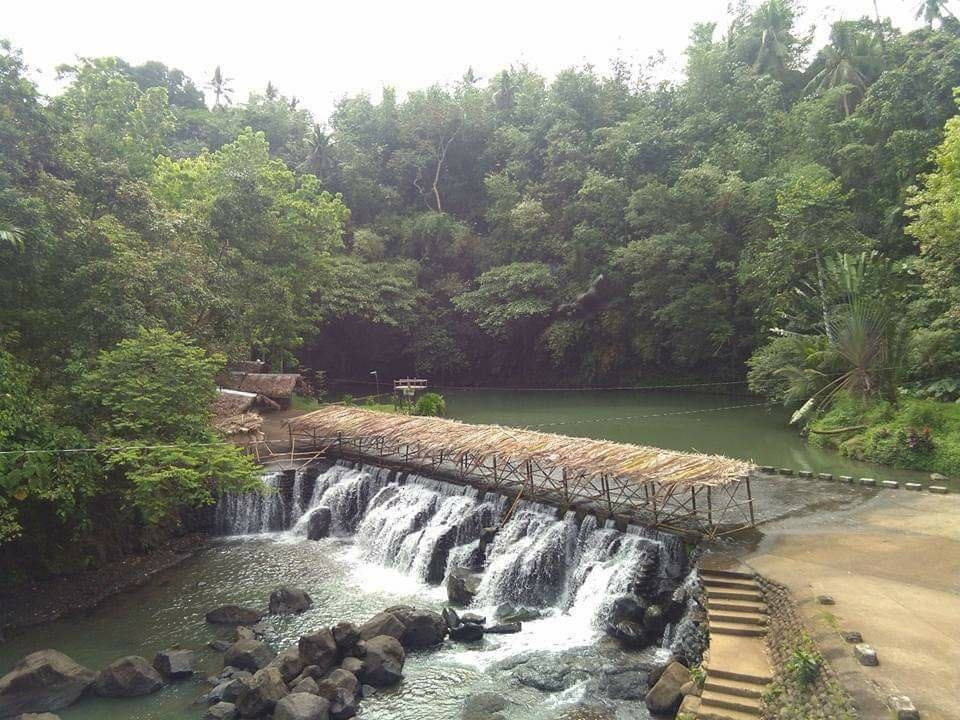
[322, 50]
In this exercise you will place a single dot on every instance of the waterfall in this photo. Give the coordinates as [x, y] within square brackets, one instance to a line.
[425, 527]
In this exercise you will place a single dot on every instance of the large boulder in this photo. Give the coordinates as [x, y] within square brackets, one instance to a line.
[174, 663]
[305, 685]
[354, 665]
[289, 663]
[129, 676]
[248, 654]
[286, 600]
[221, 711]
[264, 690]
[467, 632]
[302, 706]
[346, 635]
[422, 628]
[43, 680]
[319, 649]
[384, 661]
[462, 586]
[665, 696]
[385, 623]
[319, 523]
[234, 615]
[339, 679]
[483, 706]
[344, 704]
[229, 690]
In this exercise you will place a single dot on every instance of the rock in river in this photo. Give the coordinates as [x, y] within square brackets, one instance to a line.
[318, 649]
[129, 676]
[264, 691]
[174, 663]
[221, 711]
[318, 524]
[339, 679]
[483, 706]
[234, 615]
[421, 628]
[44, 680]
[249, 655]
[287, 600]
[467, 632]
[462, 586]
[664, 697]
[289, 663]
[385, 623]
[302, 706]
[384, 660]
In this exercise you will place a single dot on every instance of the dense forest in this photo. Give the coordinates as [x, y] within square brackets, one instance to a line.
[784, 209]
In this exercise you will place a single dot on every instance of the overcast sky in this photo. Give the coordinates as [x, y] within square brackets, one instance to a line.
[319, 51]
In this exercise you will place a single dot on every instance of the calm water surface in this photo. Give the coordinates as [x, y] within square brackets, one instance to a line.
[673, 420]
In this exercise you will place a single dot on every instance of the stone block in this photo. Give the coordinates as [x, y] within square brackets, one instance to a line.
[890, 484]
[768, 469]
[786, 471]
[846, 479]
[938, 489]
[851, 636]
[917, 487]
[805, 473]
[826, 476]
[689, 708]
[826, 600]
[865, 654]
[868, 482]
[903, 708]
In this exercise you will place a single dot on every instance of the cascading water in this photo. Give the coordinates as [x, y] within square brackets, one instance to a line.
[424, 528]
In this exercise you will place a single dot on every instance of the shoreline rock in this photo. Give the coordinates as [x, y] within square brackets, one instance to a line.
[41, 681]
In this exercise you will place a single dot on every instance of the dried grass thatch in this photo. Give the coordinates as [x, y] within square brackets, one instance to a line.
[276, 386]
[231, 402]
[241, 429]
[636, 462]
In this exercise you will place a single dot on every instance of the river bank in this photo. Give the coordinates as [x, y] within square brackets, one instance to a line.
[43, 601]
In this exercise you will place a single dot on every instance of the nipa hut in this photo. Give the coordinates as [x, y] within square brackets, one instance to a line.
[232, 417]
[277, 387]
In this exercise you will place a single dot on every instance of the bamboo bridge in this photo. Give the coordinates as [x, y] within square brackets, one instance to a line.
[668, 490]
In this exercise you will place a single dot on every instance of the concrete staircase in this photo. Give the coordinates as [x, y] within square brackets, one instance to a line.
[738, 670]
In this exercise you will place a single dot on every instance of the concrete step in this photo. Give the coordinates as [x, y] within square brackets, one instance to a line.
[735, 584]
[736, 605]
[709, 711]
[728, 594]
[741, 676]
[728, 574]
[736, 616]
[726, 628]
[734, 687]
[731, 702]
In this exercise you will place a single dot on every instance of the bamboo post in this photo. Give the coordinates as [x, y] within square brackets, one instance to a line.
[750, 502]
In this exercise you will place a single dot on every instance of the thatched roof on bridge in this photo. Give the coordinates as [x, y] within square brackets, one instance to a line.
[644, 464]
[271, 385]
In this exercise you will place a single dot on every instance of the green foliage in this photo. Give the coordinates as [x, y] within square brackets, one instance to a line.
[915, 434]
[148, 400]
[805, 662]
[431, 404]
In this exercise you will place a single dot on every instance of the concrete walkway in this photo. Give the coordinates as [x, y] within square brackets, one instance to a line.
[891, 563]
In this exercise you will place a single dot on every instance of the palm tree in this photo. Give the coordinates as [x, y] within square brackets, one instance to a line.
[319, 160]
[847, 61]
[221, 88]
[775, 43]
[862, 348]
[271, 91]
[930, 10]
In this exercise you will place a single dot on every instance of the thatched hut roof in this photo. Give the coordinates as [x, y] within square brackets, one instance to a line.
[242, 428]
[636, 462]
[271, 385]
[231, 402]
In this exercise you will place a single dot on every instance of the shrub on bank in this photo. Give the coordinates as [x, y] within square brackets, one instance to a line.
[915, 434]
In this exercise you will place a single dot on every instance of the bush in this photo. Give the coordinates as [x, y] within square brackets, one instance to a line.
[431, 404]
[805, 662]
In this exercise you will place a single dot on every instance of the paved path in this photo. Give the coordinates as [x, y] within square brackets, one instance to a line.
[892, 564]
